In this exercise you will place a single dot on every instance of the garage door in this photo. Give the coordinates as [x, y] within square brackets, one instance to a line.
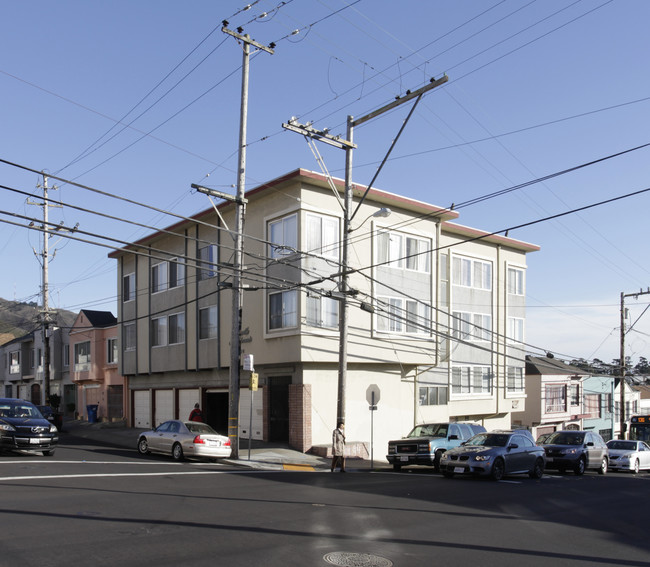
[142, 409]
[164, 406]
[186, 401]
[245, 416]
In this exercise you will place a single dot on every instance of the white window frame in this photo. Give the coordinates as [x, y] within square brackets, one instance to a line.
[283, 236]
[515, 380]
[472, 380]
[433, 395]
[128, 287]
[159, 279]
[403, 251]
[211, 329]
[322, 311]
[14, 362]
[555, 403]
[403, 316]
[82, 356]
[322, 235]
[471, 273]
[516, 281]
[176, 328]
[469, 326]
[516, 327]
[112, 351]
[287, 316]
[207, 257]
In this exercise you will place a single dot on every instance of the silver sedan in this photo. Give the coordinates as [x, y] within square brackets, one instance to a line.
[185, 439]
[628, 455]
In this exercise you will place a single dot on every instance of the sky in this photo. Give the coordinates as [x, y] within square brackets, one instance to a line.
[139, 100]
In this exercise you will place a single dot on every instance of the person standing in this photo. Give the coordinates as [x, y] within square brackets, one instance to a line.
[196, 414]
[338, 447]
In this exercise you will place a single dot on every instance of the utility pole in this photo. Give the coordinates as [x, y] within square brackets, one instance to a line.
[240, 211]
[623, 424]
[45, 317]
[348, 214]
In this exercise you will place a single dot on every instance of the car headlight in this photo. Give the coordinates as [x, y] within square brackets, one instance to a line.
[7, 427]
[53, 429]
[444, 457]
[569, 451]
[391, 449]
[482, 457]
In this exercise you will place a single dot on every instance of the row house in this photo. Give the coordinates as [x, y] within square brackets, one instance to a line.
[22, 369]
[436, 316]
[94, 372]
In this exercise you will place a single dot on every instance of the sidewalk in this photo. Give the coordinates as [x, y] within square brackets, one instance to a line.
[263, 456]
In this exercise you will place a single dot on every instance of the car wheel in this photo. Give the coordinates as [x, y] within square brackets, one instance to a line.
[48, 453]
[603, 466]
[537, 470]
[436, 461]
[498, 469]
[143, 446]
[397, 467]
[580, 466]
[177, 452]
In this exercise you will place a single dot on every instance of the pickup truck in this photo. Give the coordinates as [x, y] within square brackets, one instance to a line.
[427, 442]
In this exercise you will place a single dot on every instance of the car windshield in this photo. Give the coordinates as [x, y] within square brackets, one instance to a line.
[18, 409]
[199, 428]
[623, 445]
[429, 430]
[489, 440]
[565, 438]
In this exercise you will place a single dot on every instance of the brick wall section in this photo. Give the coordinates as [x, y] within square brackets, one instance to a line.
[300, 416]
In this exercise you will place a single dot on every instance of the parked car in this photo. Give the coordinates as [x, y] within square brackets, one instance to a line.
[576, 450]
[628, 455]
[427, 442]
[52, 416]
[23, 428]
[495, 454]
[185, 439]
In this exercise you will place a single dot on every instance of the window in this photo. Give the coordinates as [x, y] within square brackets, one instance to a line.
[574, 391]
[40, 357]
[207, 262]
[283, 310]
[471, 326]
[283, 235]
[129, 336]
[66, 355]
[516, 330]
[177, 328]
[176, 272]
[159, 277]
[472, 273]
[14, 362]
[111, 351]
[82, 356]
[401, 251]
[322, 311]
[32, 358]
[400, 315]
[159, 331]
[515, 379]
[433, 395]
[322, 235]
[555, 399]
[592, 405]
[208, 322]
[128, 287]
[471, 380]
[515, 281]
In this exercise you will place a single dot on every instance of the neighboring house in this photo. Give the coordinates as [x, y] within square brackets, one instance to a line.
[598, 401]
[632, 404]
[22, 370]
[554, 392]
[436, 316]
[644, 398]
[95, 354]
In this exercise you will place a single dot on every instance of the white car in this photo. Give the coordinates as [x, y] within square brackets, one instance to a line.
[185, 439]
[628, 455]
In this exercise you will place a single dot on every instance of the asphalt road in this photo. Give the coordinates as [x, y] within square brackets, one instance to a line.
[95, 506]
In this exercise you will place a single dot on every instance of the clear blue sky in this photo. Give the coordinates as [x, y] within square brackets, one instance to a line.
[535, 87]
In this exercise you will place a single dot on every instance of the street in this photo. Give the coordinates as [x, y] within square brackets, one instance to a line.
[98, 505]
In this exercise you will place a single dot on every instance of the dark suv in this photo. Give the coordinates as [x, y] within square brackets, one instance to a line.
[23, 428]
[576, 450]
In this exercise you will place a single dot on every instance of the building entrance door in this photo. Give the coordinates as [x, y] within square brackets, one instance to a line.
[279, 408]
[215, 411]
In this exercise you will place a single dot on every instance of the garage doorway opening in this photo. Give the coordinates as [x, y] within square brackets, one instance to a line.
[216, 411]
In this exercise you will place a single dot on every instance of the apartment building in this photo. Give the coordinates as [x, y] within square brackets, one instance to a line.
[436, 316]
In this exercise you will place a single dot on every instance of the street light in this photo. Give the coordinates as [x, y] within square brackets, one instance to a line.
[380, 214]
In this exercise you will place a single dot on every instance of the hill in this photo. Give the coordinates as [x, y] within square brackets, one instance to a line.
[18, 319]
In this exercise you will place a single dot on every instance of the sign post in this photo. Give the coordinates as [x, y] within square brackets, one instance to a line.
[372, 395]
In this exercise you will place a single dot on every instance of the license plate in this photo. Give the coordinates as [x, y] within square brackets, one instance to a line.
[34, 441]
[549, 459]
[215, 443]
[404, 459]
[459, 469]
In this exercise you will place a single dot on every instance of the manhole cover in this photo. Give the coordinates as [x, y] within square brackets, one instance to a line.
[356, 560]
